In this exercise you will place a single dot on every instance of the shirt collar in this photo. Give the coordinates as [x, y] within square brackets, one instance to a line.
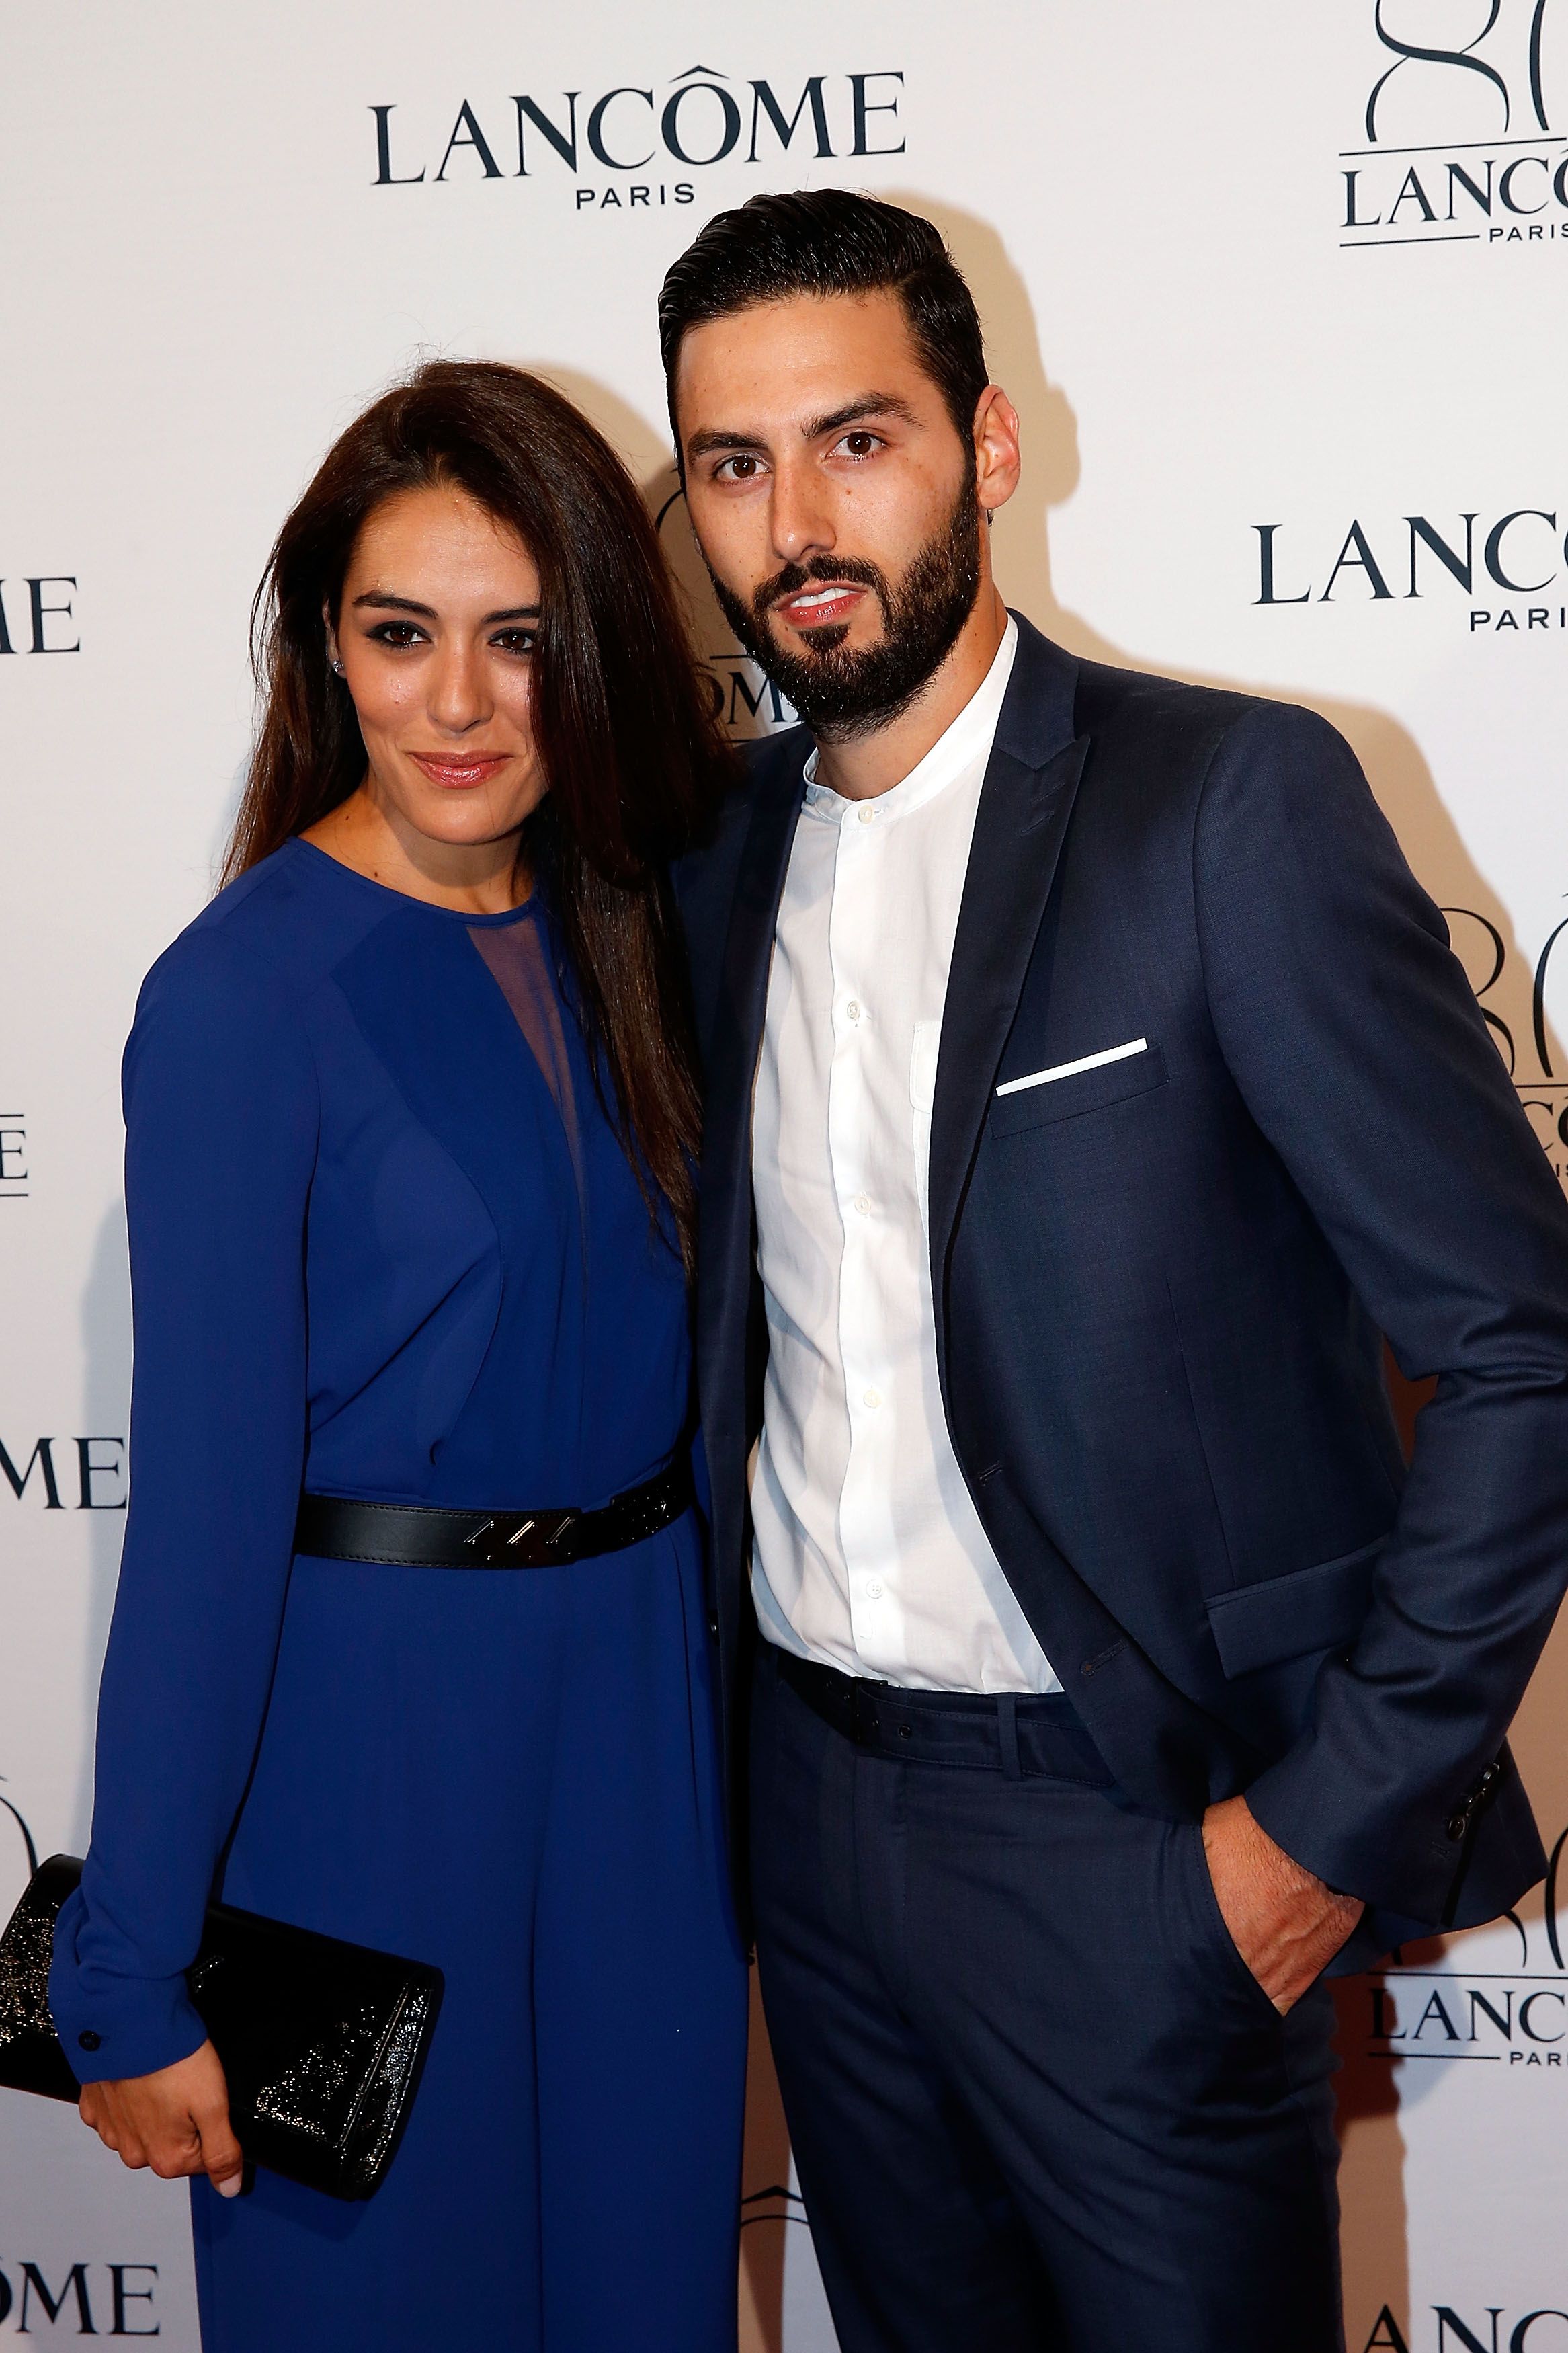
[966, 739]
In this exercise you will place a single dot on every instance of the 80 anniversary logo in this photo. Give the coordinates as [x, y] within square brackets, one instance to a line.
[1544, 1093]
[1460, 139]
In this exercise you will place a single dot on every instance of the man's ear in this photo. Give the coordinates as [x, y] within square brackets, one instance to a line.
[998, 459]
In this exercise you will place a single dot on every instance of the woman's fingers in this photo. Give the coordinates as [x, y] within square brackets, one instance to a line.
[176, 2154]
[176, 2120]
[222, 2160]
[96, 2112]
[219, 2154]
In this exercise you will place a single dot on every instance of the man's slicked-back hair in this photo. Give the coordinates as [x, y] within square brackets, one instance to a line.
[827, 241]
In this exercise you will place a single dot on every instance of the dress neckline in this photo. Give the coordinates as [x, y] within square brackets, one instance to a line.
[464, 915]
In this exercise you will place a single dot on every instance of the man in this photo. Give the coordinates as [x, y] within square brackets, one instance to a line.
[1090, 1086]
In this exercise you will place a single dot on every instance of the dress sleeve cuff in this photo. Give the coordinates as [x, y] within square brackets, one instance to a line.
[112, 2028]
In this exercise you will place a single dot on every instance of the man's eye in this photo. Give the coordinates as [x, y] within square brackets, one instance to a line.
[860, 444]
[742, 468]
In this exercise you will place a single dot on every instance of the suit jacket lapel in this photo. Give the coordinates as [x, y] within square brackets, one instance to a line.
[1024, 803]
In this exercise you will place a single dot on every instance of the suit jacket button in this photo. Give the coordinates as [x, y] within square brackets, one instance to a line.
[1458, 1824]
[88, 2040]
[713, 1625]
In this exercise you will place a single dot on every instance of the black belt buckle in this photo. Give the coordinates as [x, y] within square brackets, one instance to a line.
[523, 1540]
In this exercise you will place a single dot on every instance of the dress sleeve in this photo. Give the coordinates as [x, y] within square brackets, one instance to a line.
[221, 1127]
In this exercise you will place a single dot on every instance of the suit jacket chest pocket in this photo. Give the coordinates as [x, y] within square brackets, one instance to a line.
[1072, 1089]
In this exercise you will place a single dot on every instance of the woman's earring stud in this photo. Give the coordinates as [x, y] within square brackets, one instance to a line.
[337, 667]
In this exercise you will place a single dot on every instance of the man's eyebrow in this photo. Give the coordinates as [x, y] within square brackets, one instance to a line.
[703, 445]
[870, 403]
[384, 598]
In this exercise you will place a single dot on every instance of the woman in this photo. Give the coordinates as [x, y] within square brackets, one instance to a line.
[411, 1121]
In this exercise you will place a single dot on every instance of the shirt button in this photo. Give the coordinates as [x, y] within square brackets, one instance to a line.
[88, 2040]
[868, 816]
[873, 1399]
[853, 1009]
[874, 1588]
[862, 1203]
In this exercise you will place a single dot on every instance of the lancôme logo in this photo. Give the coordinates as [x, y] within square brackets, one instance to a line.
[38, 613]
[96, 1480]
[14, 1176]
[1446, 2328]
[1510, 569]
[1446, 2014]
[627, 148]
[744, 702]
[1460, 131]
[18, 1854]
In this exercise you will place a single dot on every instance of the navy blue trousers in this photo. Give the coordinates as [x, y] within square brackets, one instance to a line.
[1038, 2102]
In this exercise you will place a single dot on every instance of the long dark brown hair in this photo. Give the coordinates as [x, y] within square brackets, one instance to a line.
[636, 762]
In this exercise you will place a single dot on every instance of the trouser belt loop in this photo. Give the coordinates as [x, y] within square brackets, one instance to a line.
[1008, 1727]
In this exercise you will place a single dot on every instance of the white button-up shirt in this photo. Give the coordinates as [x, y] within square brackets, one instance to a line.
[869, 1555]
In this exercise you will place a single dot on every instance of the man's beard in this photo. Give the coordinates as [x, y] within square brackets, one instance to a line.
[839, 694]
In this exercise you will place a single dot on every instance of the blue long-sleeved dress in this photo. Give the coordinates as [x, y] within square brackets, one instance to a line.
[385, 1243]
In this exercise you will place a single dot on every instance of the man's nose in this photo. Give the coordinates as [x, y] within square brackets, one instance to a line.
[800, 516]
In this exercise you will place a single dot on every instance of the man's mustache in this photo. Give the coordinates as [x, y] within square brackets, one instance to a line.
[797, 577]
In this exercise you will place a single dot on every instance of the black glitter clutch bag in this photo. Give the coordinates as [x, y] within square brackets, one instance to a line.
[322, 2043]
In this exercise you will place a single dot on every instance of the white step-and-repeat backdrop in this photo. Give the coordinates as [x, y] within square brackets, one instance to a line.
[1282, 296]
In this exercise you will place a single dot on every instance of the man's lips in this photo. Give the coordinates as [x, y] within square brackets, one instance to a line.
[822, 602]
[459, 768]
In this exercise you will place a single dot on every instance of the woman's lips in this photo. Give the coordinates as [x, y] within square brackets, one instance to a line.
[458, 769]
[823, 603]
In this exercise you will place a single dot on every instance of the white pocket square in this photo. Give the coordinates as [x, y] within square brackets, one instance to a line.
[1071, 1069]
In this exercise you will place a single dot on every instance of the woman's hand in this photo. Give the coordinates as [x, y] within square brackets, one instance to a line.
[176, 2120]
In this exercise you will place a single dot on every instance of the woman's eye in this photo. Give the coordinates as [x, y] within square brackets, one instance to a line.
[397, 633]
[516, 641]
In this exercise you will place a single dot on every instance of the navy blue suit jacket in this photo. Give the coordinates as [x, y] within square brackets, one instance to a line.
[1162, 1285]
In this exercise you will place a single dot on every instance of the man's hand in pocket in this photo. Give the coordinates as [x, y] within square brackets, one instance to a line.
[1285, 1925]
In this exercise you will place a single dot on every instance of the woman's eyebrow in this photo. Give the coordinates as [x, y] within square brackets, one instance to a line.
[384, 596]
[400, 604]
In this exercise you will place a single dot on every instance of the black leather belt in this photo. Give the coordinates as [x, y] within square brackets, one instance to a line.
[1022, 1735]
[422, 1535]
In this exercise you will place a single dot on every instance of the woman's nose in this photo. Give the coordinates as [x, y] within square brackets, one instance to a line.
[459, 698]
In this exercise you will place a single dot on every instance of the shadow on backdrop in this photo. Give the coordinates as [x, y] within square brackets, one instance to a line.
[106, 1399]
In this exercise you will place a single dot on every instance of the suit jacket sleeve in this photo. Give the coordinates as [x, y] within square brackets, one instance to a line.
[1356, 1041]
[221, 1121]
[703, 883]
